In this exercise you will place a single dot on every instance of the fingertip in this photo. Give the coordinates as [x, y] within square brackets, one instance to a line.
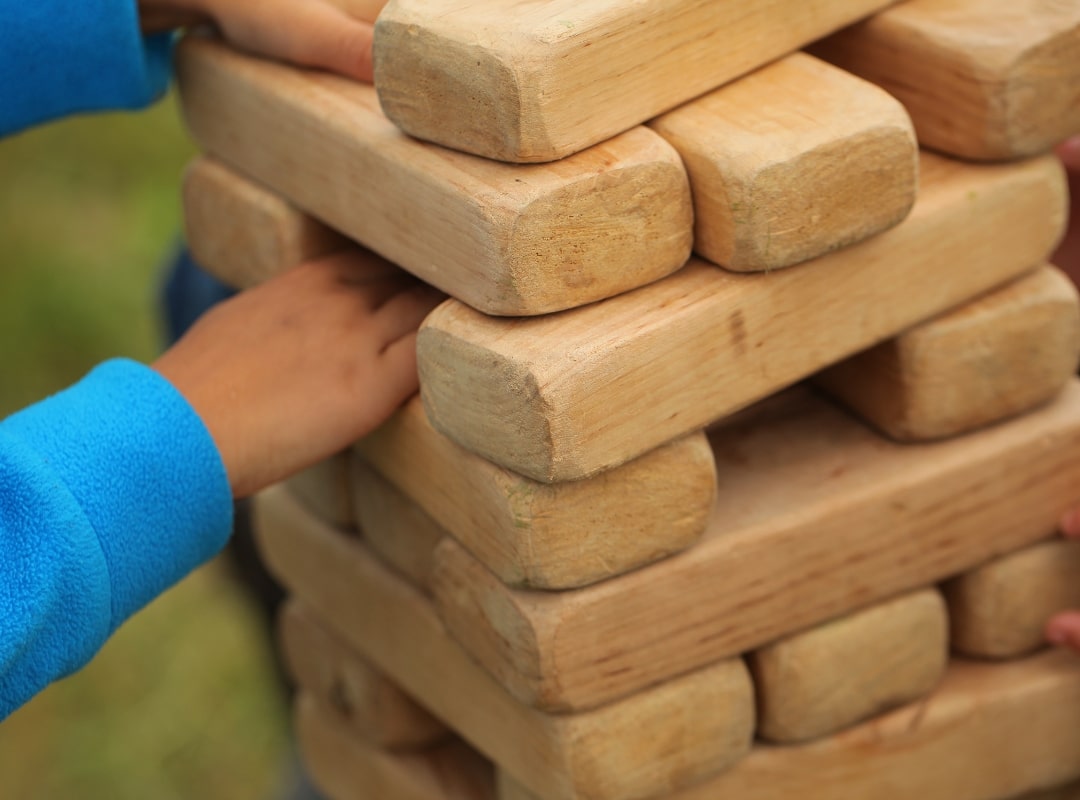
[1070, 523]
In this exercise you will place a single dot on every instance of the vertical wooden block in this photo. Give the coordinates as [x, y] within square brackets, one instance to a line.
[826, 161]
[982, 79]
[1000, 609]
[820, 681]
[538, 81]
[988, 360]
[325, 489]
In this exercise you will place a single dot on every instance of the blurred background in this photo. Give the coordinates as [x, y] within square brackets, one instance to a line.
[182, 702]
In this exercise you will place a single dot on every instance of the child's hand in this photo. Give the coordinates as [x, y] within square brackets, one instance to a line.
[295, 370]
[335, 35]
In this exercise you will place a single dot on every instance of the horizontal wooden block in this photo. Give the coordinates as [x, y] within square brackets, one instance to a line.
[657, 741]
[989, 732]
[982, 79]
[347, 769]
[1000, 609]
[550, 536]
[827, 161]
[505, 240]
[326, 490]
[991, 359]
[397, 530]
[243, 232]
[565, 396]
[817, 516]
[542, 81]
[368, 702]
[820, 681]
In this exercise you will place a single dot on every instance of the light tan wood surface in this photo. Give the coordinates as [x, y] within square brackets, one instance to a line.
[817, 516]
[822, 680]
[371, 705]
[345, 768]
[526, 81]
[1000, 609]
[505, 240]
[791, 162]
[326, 490]
[561, 397]
[550, 536]
[1003, 354]
[989, 732]
[242, 232]
[652, 743]
[983, 79]
[397, 530]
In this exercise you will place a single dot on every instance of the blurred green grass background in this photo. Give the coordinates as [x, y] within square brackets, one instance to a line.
[182, 702]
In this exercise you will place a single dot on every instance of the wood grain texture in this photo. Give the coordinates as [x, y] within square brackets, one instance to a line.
[988, 732]
[1000, 609]
[822, 680]
[653, 743]
[242, 232]
[550, 536]
[817, 516]
[505, 240]
[349, 769]
[982, 79]
[562, 397]
[988, 360]
[367, 702]
[325, 489]
[791, 162]
[524, 81]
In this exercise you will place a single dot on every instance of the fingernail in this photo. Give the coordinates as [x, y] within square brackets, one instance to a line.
[1056, 636]
[1070, 523]
[1069, 152]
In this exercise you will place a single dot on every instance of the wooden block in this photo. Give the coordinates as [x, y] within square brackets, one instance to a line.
[243, 232]
[562, 397]
[347, 769]
[817, 516]
[369, 703]
[326, 490]
[989, 732]
[550, 536]
[1000, 609]
[1003, 354]
[539, 81]
[396, 529]
[657, 741]
[982, 79]
[505, 240]
[820, 681]
[827, 161]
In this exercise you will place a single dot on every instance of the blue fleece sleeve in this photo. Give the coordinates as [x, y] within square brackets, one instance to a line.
[110, 492]
[59, 57]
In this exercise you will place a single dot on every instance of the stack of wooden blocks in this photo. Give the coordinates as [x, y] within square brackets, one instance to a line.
[774, 520]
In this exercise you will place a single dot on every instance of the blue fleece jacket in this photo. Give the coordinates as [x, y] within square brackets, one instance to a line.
[112, 490]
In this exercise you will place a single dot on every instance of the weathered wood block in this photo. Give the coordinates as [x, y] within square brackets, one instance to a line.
[368, 702]
[860, 517]
[525, 81]
[325, 490]
[242, 231]
[991, 359]
[982, 79]
[822, 680]
[989, 732]
[505, 240]
[659, 740]
[562, 397]
[827, 161]
[349, 769]
[550, 536]
[1000, 609]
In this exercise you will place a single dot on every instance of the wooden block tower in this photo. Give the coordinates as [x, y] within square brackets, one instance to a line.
[743, 435]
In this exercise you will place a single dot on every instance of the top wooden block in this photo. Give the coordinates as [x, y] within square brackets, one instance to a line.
[524, 81]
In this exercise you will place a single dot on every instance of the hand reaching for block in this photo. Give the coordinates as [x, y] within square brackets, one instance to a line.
[334, 35]
[296, 369]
